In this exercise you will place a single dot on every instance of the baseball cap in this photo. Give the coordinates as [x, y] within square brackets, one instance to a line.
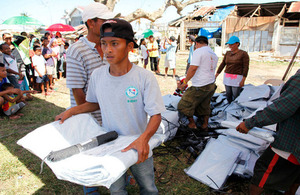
[97, 10]
[120, 28]
[192, 38]
[201, 38]
[232, 40]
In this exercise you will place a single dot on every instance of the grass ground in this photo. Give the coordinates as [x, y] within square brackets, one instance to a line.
[19, 169]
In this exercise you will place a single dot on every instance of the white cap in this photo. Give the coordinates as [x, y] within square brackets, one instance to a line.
[97, 10]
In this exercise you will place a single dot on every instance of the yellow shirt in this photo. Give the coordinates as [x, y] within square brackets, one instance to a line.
[153, 45]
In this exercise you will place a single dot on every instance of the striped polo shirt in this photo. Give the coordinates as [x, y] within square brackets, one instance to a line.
[82, 59]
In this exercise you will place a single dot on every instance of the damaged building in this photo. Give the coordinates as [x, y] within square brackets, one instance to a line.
[268, 27]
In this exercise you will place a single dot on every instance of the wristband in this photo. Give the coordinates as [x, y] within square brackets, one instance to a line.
[184, 81]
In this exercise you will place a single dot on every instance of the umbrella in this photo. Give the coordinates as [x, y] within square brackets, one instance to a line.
[147, 33]
[60, 27]
[22, 20]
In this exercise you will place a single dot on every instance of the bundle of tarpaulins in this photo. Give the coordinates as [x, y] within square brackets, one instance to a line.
[233, 152]
[99, 166]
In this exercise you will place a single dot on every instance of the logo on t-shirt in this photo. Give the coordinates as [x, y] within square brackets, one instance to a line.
[131, 92]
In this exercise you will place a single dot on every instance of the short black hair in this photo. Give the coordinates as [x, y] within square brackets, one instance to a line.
[46, 33]
[36, 47]
[2, 65]
[6, 85]
[43, 38]
[24, 34]
[2, 44]
[202, 40]
[66, 44]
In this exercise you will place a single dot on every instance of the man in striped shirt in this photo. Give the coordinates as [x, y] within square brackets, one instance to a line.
[279, 166]
[84, 56]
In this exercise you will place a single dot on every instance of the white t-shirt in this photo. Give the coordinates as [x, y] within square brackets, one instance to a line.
[125, 100]
[207, 61]
[12, 63]
[144, 51]
[40, 63]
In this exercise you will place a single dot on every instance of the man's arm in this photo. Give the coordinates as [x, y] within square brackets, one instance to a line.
[14, 91]
[79, 95]
[191, 72]
[83, 108]
[141, 143]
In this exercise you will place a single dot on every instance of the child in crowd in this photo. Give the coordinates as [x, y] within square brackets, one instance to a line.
[39, 65]
[10, 106]
[48, 55]
[63, 58]
[144, 52]
[11, 65]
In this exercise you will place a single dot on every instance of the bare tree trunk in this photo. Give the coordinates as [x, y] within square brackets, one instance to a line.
[152, 16]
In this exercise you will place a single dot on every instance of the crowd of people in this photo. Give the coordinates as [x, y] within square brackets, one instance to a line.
[31, 65]
[99, 62]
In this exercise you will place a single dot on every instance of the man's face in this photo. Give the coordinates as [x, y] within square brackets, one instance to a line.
[115, 49]
[7, 39]
[3, 72]
[95, 26]
[6, 49]
[45, 42]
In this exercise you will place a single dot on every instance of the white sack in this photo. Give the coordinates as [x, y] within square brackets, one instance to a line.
[100, 166]
[215, 164]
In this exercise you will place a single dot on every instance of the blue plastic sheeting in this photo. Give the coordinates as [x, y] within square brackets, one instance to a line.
[208, 32]
[221, 14]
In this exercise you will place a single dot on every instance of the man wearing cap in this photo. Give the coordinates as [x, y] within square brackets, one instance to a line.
[196, 100]
[131, 93]
[84, 56]
[192, 48]
[236, 71]
[170, 60]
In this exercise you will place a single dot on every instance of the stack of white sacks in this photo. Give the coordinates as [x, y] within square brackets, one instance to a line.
[233, 152]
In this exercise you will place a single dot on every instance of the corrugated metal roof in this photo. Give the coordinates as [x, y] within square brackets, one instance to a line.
[202, 11]
[295, 7]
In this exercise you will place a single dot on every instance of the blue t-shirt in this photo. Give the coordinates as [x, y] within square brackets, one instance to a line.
[4, 80]
[50, 61]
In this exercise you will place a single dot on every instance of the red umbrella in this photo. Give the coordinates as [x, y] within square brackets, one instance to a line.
[60, 27]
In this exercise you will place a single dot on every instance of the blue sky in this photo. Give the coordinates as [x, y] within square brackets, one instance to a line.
[51, 11]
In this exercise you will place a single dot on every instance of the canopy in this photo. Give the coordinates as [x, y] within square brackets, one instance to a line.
[60, 27]
[147, 33]
[22, 20]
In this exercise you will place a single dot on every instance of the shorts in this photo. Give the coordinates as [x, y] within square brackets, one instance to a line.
[274, 172]
[42, 79]
[146, 61]
[50, 70]
[196, 101]
[170, 63]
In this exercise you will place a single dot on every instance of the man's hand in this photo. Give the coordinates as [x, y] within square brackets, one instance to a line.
[21, 76]
[182, 86]
[63, 116]
[242, 128]
[141, 147]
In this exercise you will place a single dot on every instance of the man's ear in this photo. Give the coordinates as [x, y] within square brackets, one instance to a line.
[130, 46]
[90, 23]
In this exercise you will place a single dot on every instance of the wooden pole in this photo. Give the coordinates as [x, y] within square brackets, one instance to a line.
[291, 63]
